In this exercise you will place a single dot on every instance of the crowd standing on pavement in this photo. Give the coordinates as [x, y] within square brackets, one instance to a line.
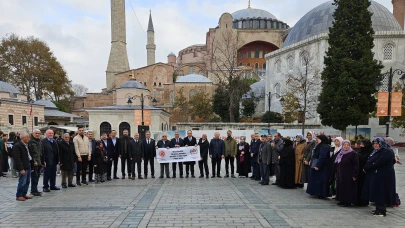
[351, 177]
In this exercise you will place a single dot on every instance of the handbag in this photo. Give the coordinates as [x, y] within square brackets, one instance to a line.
[105, 159]
[313, 162]
[242, 158]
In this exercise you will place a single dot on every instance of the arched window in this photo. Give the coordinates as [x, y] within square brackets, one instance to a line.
[240, 64]
[171, 95]
[264, 66]
[180, 73]
[257, 52]
[105, 127]
[191, 70]
[201, 72]
[250, 54]
[277, 89]
[290, 62]
[124, 126]
[264, 53]
[278, 66]
[241, 55]
[191, 93]
[248, 64]
[256, 65]
[388, 52]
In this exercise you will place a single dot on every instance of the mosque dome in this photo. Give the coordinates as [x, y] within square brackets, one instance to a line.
[8, 88]
[319, 19]
[252, 13]
[46, 103]
[257, 89]
[193, 78]
[132, 84]
[171, 54]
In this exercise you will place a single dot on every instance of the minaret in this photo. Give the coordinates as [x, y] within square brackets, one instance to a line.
[150, 46]
[399, 11]
[118, 61]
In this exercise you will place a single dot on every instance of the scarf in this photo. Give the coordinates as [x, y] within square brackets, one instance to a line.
[343, 152]
[313, 136]
[381, 142]
[337, 149]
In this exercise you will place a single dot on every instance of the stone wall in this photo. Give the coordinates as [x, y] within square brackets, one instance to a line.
[17, 110]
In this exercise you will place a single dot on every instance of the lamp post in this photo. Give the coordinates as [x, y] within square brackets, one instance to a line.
[390, 74]
[270, 96]
[142, 98]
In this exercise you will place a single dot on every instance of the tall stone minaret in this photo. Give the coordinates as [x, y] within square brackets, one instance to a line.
[118, 61]
[150, 46]
[399, 11]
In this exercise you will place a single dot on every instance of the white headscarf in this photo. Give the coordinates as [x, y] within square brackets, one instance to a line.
[313, 136]
[337, 149]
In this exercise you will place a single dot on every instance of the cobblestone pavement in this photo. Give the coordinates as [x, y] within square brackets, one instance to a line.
[187, 202]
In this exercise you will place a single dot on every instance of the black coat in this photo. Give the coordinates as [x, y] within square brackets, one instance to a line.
[364, 153]
[173, 142]
[93, 146]
[99, 155]
[287, 167]
[189, 142]
[346, 187]
[136, 150]
[125, 141]
[49, 155]
[379, 185]
[149, 150]
[113, 151]
[318, 183]
[243, 168]
[162, 144]
[67, 155]
[204, 148]
[217, 148]
[20, 156]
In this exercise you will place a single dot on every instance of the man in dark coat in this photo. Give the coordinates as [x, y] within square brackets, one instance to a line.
[36, 150]
[263, 159]
[92, 146]
[164, 167]
[204, 147]
[67, 160]
[22, 164]
[108, 145]
[277, 146]
[287, 165]
[136, 155]
[149, 152]
[254, 151]
[217, 153]
[177, 142]
[50, 159]
[124, 149]
[190, 140]
[113, 154]
[12, 139]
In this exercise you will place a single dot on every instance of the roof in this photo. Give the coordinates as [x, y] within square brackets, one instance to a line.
[46, 103]
[150, 24]
[57, 113]
[319, 19]
[171, 54]
[133, 84]
[252, 13]
[193, 78]
[125, 107]
[257, 89]
[8, 88]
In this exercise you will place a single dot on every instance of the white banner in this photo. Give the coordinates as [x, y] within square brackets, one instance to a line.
[179, 154]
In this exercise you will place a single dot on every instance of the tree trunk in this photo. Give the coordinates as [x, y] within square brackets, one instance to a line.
[343, 133]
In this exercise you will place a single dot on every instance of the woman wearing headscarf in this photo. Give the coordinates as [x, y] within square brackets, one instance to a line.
[334, 152]
[287, 165]
[366, 148]
[318, 184]
[100, 158]
[347, 170]
[306, 157]
[243, 158]
[299, 152]
[379, 185]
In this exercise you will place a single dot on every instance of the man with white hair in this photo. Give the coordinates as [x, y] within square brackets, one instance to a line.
[50, 159]
[22, 164]
[36, 150]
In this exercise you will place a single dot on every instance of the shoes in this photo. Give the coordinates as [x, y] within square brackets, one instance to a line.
[133, 178]
[78, 183]
[206, 177]
[258, 178]
[21, 198]
[168, 177]
[140, 177]
[161, 177]
[146, 177]
[265, 183]
[274, 184]
[153, 176]
[55, 188]
[84, 182]
[116, 178]
[91, 181]
[233, 176]
[192, 176]
[227, 175]
[102, 181]
[46, 190]
[71, 185]
[109, 178]
[260, 182]
[201, 176]
[64, 186]
[28, 197]
[212, 176]
[219, 176]
[36, 193]
[380, 214]
[186, 176]
[181, 176]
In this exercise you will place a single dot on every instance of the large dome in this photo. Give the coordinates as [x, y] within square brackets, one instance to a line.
[252, 13]
[319, 19]
[8, 88]
[132, 84]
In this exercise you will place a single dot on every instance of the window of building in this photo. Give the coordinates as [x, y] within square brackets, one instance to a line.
[240, 64]
[171, 97]
[277, 88]
[180, 73]
[155, 94]
[160, 84]
[83, 105]
[144, 83]
[388, 52]
[239, 24]
[264, 66]
[35, 121]
[24, 120]
[191, 93]
[278, 66]
[105, 127]
[11, 119]
[250, 54]
[256, 65]
[201, 72]
[290, 62]
[248, 64]
[154, 84]
[241, 55]
[191, 70]
[257, 52]
[264, 53]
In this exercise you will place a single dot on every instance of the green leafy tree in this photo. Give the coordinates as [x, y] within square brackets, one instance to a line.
[200, 106]
[29, 64]
[181, 105]
[248, 107]
[272, 117]
[350, 68]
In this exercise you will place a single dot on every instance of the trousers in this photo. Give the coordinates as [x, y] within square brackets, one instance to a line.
[216, 161]
[180, 164]
[230, 159]
[69, 175]
[125, 161]
[203, 165]
[35, 178]
[50, 176]
[23, 183]
[152, 166]
[164, 167]
[264, 172]
[138, 165]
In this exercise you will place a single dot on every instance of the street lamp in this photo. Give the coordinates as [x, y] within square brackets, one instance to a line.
[390, 74]
[270, 96]
[142, 98]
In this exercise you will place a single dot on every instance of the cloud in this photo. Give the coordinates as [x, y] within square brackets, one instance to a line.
[78, 31]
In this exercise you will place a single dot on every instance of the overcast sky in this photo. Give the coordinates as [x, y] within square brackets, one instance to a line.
[78, 31]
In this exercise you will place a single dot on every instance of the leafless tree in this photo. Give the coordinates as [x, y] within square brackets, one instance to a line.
[79, 89]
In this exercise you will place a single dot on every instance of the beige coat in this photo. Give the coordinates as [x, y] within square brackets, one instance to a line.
[299, 152]
[81, 145]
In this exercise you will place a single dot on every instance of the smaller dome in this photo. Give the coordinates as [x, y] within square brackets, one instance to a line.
[46, 103]
[252, 13]
[194, 78]
[132, 84]
[8, 88]
[257, 89]
[171, 54]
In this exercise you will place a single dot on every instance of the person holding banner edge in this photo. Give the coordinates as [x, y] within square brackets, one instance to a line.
[177, 142]
[164, 167]
[190, 140]
[217, 152]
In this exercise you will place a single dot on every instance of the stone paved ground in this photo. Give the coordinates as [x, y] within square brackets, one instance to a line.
[238, 202]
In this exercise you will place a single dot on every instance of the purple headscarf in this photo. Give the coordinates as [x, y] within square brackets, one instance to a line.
[343, 152]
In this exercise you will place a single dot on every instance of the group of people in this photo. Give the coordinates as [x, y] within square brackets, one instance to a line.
[353, 178]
